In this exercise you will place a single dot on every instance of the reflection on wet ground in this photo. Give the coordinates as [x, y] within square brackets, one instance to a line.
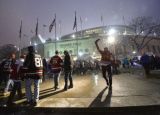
[91, 91]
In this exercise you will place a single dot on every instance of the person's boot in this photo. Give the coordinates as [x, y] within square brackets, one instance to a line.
[65, 87]
[34, 103]
[70, 86]
[107, 82]
[56, 87]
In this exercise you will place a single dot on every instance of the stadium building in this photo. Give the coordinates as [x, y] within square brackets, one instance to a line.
[82, 43]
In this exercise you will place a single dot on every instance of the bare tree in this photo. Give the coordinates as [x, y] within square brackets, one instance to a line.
[145, 29]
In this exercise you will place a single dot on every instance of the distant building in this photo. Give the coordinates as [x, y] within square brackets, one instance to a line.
[82, 43]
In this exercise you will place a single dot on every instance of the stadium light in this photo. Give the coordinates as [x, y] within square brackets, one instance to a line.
[57, 38]
[94, 53]
[111, 39]
[75, 58]
[80, 54]
[111, 32]
[125, 32]
[73, 36]
[134, 52]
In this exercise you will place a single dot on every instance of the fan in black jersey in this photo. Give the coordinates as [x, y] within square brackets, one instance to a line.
[33, 73]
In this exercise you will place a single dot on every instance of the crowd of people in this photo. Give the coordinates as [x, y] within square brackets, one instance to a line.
[150, 62]
[32, 69]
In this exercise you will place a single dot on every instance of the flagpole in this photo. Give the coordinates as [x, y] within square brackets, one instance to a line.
[102, 21]
[55, 34]
[125, 25]
[76, 32]
[20, 36]
[75, 26]
[81, 26]
[37, 28]
[60, 29]
[76, 20]
[125, 31]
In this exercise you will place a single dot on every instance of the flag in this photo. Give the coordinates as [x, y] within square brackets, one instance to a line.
[37, 28]
[75, 23]
[20, 31]
[52, 24]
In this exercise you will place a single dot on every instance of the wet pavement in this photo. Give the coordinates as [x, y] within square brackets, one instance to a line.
[91, 91]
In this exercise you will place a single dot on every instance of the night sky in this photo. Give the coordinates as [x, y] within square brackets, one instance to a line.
[13, 11]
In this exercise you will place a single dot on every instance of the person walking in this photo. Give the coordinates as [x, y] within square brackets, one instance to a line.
[6, 71]
[106, 61]
[56, 67]
[144, 60]
[16, 67]
[45, 69]
[68, 66]
[33, 67]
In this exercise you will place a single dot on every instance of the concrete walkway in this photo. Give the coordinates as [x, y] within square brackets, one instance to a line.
[91, 91]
